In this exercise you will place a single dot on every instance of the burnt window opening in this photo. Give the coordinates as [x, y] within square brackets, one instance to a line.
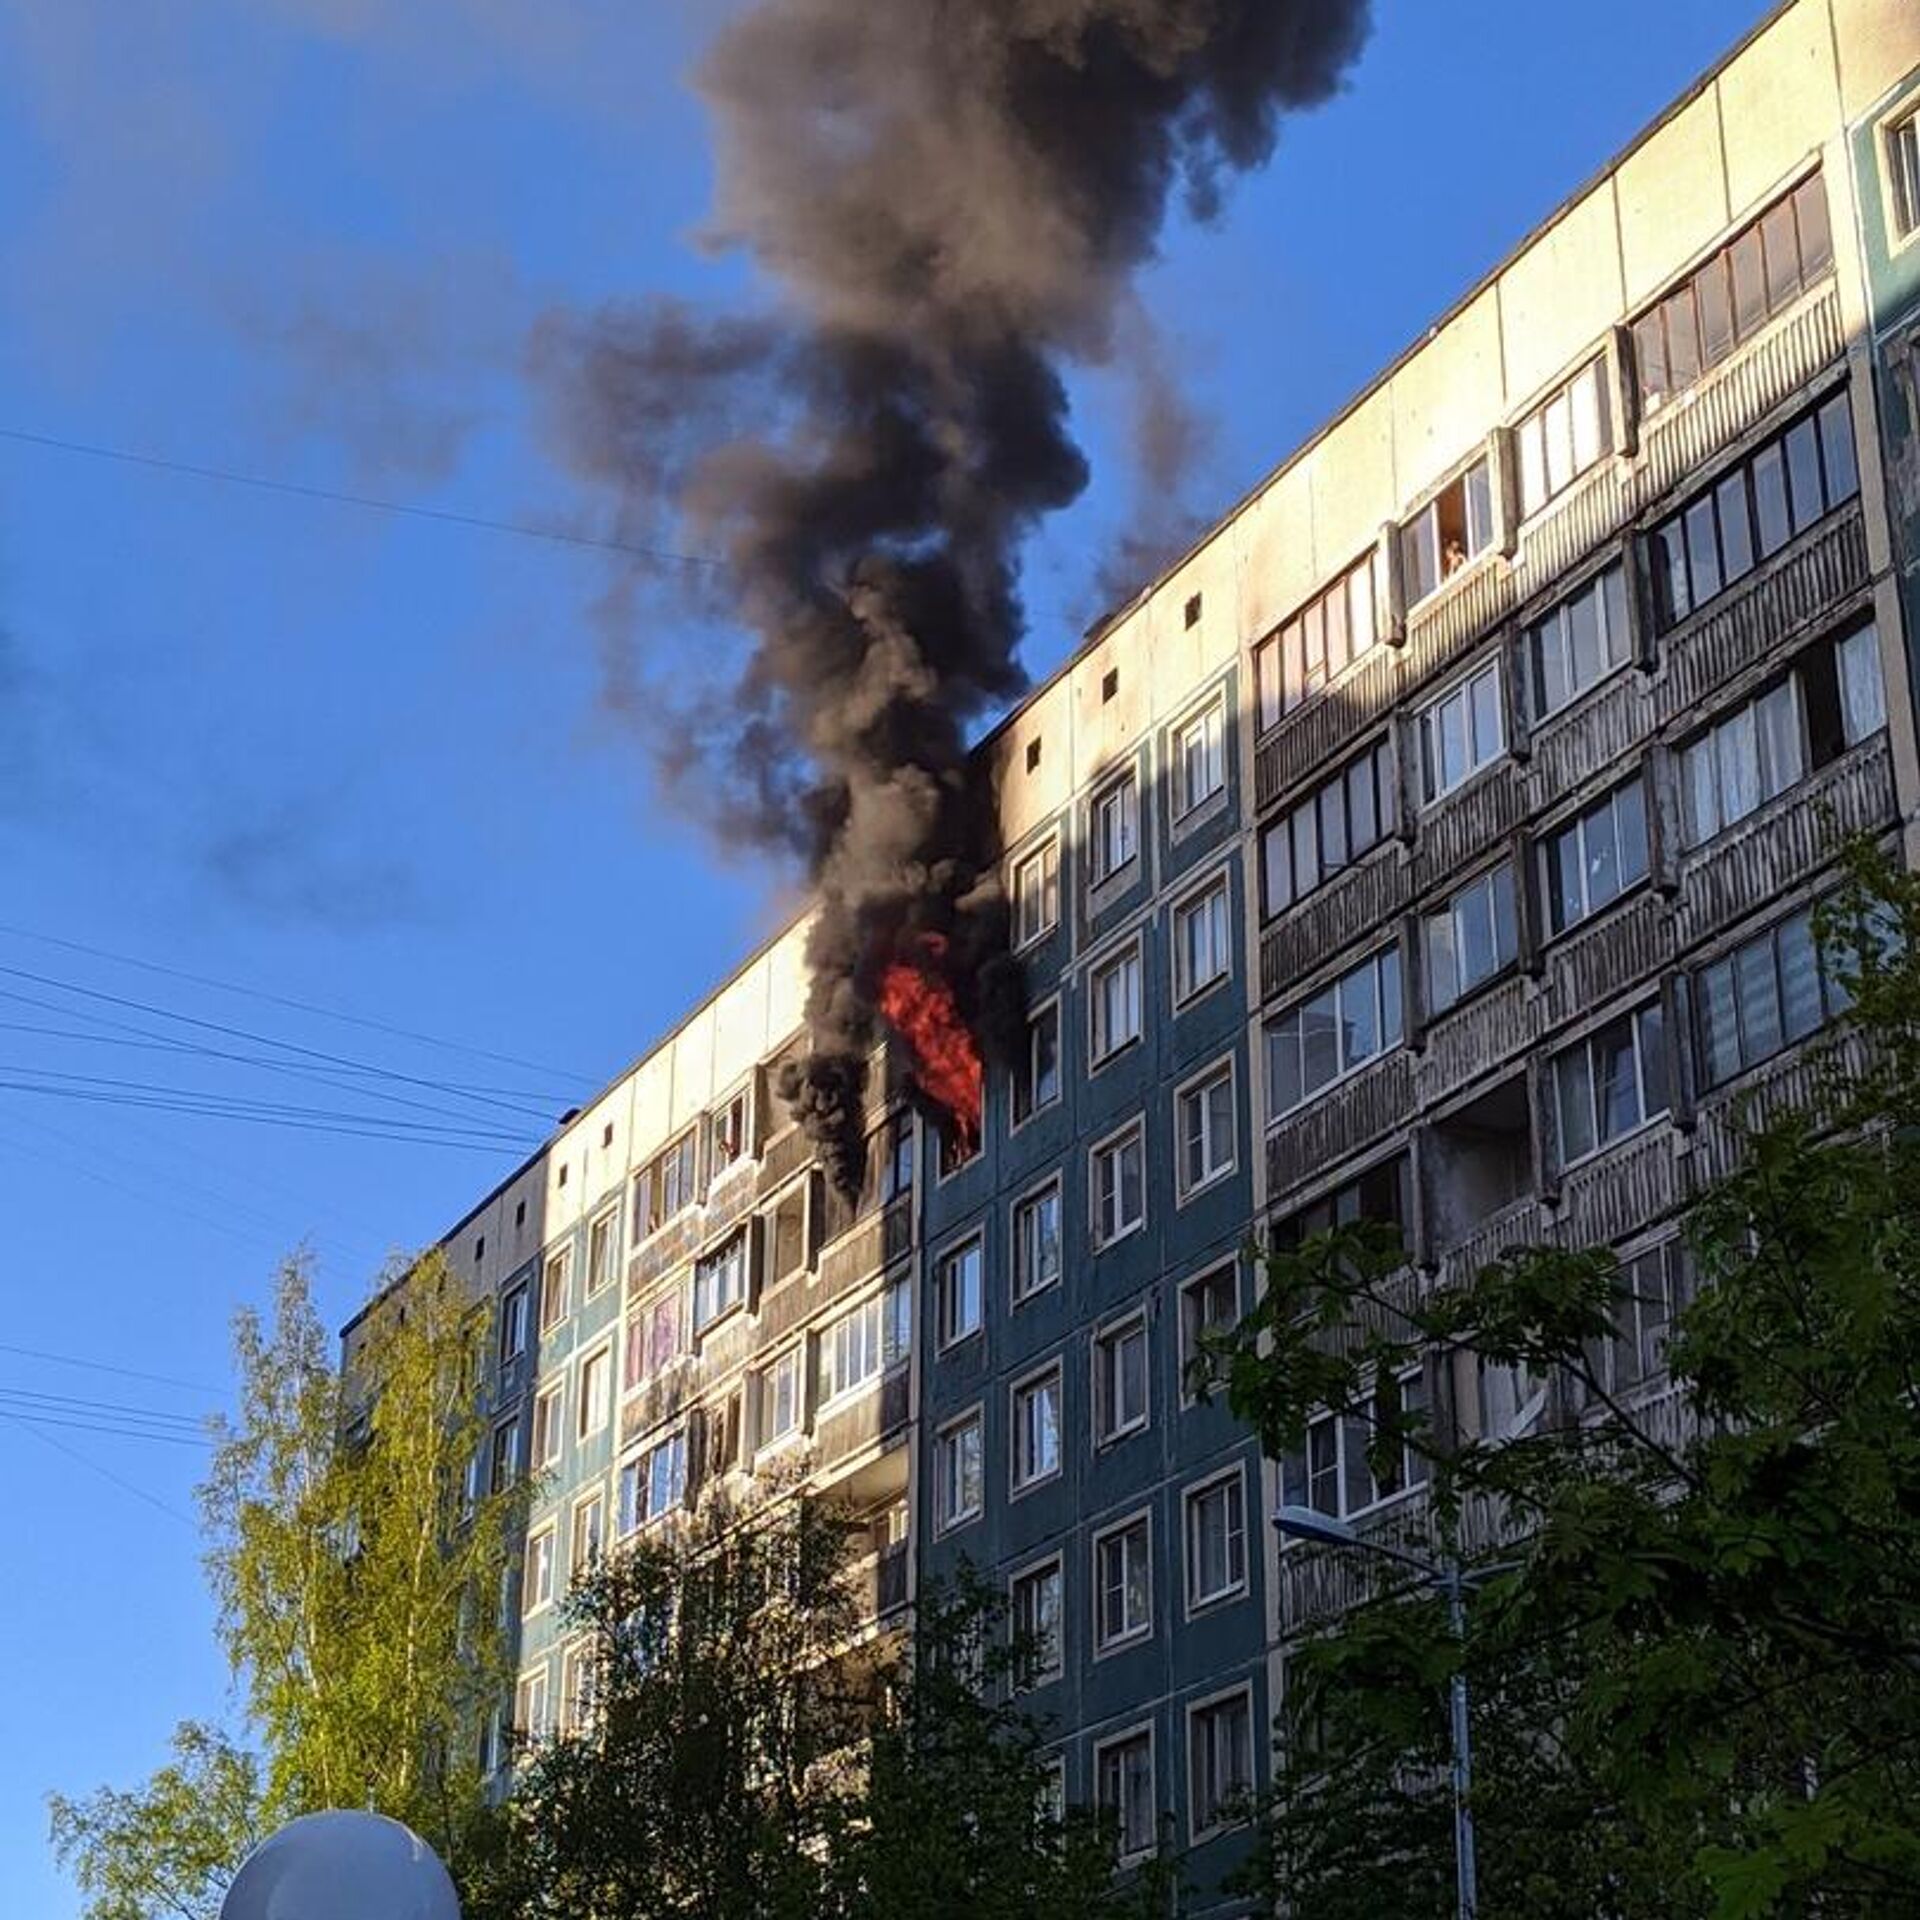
[1193, 610]
[1477, 1161]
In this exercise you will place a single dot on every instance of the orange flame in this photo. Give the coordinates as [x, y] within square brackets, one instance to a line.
[920, 1006]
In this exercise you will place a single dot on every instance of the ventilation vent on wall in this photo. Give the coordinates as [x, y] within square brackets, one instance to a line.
[1110, 685]
[1193, 610]
[1033, 754]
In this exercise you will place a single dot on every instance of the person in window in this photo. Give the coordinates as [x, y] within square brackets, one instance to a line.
[1455, 557]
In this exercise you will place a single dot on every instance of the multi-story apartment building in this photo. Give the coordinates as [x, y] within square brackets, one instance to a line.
[1434, 841]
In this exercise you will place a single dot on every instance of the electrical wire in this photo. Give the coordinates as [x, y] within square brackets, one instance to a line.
[258, 1039]
[32, 1429]
[76, 1403]
[340, 497]
[104, 1366]
[300, 1006]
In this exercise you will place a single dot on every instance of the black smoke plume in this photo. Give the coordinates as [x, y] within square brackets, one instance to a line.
[947, 200]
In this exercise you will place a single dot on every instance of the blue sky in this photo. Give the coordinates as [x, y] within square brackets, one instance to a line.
[360, 760]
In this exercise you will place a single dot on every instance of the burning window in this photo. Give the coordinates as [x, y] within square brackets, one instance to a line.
[1116, 828]
[1453, 528]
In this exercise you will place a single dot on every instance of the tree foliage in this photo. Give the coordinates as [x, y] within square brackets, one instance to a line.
[356, 1585]
[1697, 1686]
[754, 1752]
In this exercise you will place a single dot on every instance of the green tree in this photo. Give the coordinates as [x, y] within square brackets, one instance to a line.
[356, 1574]
[753, 1752]
[168, 1848]
[1697, 1690]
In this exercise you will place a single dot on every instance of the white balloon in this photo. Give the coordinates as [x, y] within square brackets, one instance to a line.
[341, 1866]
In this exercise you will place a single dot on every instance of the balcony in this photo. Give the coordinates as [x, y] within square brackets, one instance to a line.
[1621, 945]
[1360, 1109]
[1620, 1190]
[1476, 1171]
[1476, 1037]
[1467, 823]
[1352, 904]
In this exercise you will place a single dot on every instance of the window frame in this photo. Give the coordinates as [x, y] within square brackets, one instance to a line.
[1506, 956]
[1186, 806]
[1292, 691]
[1189, 1350]
[1053, 1564]
[1594, 368]
[732, 1253]
[1186, 991]
[975, 1244]
[1575, 824]
[532, 1684]
[790, 1360]
[1424, 516]
[1135, 1130]
[560, 1258]
[606, 1221]
[1900, 165]
[1054, 1184]
[1052, 1372]
[649, 1183]
[1102, 1350]
[1634, 1016]
[579, 1562]
[1609, 603]
[1461, 686]
[1234, 1476]
[1122, 787]
[1045, 858]
[515, 1319]
[1142, 1731]
[584, 1399]
[1382, 1000]
[881, 1302]
[1832, 1003]
[1416, 1472]
[1103, 1643]
[547, 1427]
[1381, 762]
[1123, 953]
[547, 1537]
[1198, 1085]
[1241, 1695]
[1050, 1006]
[974, 1419]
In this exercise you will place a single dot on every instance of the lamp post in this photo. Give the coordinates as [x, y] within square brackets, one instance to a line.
[1448, 1578]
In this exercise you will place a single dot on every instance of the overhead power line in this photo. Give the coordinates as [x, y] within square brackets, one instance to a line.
[53, 1359]
[341, 497]
[300, 1006]
[32, 1428]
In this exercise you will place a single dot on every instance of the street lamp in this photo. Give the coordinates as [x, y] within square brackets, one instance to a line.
[1445, 1577]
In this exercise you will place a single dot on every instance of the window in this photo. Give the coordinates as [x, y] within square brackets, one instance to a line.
[1116, 828]
[1563, 436]
[1471, 938]
[536, 1580]
[1335, 1472]
[1903, 173]
[958, 1287]
[780, 1397]
[546, 1428]
[1120, 1380]
[729, 1132]
[596, 1390]
[1202, 942]
[653, 1337]
[1220, 1760]
[1199, 760]
[664, 1186]
[1341, 819]
[1209, 1305]
[503, 1458]
[719, 1282]
[1123, 1583]
[1217, 1540]
[589, 1534]
[1383, 1193]
[1338, 1031]
[1447, 532]
[1610, 1083]
[1316, 645]
[555, 1285]
[603, 1251]
[530, 1706]
[1752, 511]
[1730, 297]
[858, 1347]
[1203, 1128]
[1595, 857]
[1653, 1287]
[1051, 1801]
[1119, 1186]
[1579, 643]
[653, 1483]
[1767, 993]
[1123, 1787]
[957, 1473]
[513, 1324]
[1036, 1429]
[786, 1232]
[1036, 895]
[1036, 1623]
[1036, 1080]
[1036, 1242]
[888, 1174]
[1461, 732]
[579, 1682]
[1113, 991]
[1863, 700]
